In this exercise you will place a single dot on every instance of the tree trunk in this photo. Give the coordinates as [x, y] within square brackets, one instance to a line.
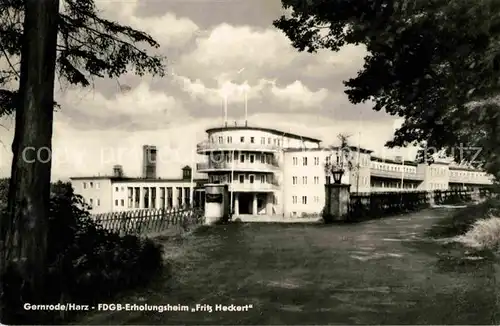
[24, 228]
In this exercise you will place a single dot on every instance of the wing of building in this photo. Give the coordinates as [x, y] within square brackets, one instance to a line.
[269, 172]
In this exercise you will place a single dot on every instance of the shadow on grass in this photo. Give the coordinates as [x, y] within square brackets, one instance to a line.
[459, 222]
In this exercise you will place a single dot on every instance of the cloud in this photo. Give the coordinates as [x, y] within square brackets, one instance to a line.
[299, 96]
[168, 29]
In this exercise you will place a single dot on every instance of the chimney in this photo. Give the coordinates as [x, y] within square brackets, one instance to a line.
[118, 171]
[149, 154]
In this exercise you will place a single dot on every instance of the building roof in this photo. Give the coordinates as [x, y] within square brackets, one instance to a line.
[325, 149]
[131, 179]
[393, 161]
[272, 131]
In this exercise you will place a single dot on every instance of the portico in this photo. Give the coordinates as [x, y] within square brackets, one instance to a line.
[252, 203]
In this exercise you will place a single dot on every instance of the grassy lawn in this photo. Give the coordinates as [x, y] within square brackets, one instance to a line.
[378, 272]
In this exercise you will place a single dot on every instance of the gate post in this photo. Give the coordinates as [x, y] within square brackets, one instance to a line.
[216, 203]
[337, 200]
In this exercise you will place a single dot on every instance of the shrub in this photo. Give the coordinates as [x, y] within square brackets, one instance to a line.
[86, 263]
[484, 234]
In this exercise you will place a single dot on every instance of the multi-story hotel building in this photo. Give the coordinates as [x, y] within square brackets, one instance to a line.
[271, 172]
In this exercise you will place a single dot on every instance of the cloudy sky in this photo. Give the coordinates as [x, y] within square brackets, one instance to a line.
[211, 45]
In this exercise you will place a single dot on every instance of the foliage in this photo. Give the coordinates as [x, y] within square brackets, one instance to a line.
[343, 160]
[89, 46]
[435, 63]
[87, 264]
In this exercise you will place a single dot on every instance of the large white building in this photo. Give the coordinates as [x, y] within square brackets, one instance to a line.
[269, 172]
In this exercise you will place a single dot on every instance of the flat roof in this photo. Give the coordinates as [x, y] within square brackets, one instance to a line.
[393, 161]
[321, 149]
[273, 131]
[136, 179]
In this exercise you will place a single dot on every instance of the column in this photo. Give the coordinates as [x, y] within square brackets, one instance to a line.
[150, 198]
[269, 204]
[141, 197]
[236, 204]
[254, 208]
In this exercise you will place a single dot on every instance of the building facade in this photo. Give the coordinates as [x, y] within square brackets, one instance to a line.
[270, 172]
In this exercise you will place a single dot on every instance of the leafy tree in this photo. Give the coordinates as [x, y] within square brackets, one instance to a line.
[433, 62]
[79, 45]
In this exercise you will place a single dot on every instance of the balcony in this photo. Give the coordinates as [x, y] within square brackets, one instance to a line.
[236, 166]
[396, 174]
[253, 187]
[468, 179]
[205, 147]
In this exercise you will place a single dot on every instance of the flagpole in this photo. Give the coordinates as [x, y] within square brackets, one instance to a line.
[359, 149]
[225, 109]
[232, 183]
[246, 108]
[191, 194]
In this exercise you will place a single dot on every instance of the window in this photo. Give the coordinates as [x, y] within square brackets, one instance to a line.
[116, 202]
[304, 180]
[252, 178]
[316, 180]
[295, 161]
[316, 160]
[252, 158]
[242, 139]
[304, 200]
[84, 185]
[122, 202]
[304, 161]
[97, 185]
[98, 202]
[269, 141]
[91, 201]
[242, 178]
[91, 185]
[242, 158]
[262, 179]
[252, 140]
[294, 199]
[263, 140]
[229, 139]
[117, 189]
[328, 160]
[179, 196]
[262, 158]
[316, 199]
[294, 180]
[221, 139]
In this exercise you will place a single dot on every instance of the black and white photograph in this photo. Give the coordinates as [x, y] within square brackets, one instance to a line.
[249, 162]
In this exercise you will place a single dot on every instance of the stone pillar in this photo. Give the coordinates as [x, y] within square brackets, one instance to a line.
[216, 203]
[337, 201]
[236, 204]
[254, 205]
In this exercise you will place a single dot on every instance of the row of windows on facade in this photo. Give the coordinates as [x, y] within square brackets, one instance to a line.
[316, 180]
[399, 168]
[264, 158]
[393, 184]
[91, 185]
[304, 199]
[328, 160]
[229, 140]
[264, 178]
[470, 174]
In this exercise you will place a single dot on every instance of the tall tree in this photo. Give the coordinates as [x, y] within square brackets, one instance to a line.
[78, 45]
[434, 62]
[28, 203]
